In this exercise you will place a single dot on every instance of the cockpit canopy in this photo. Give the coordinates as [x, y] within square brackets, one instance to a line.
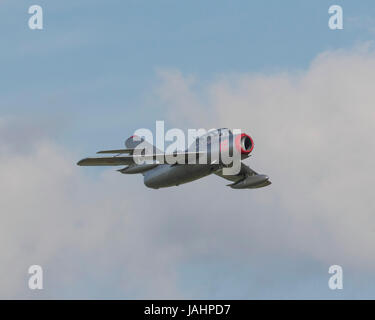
[217, 132]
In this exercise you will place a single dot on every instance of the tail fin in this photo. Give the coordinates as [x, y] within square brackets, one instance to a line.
[118, 151]
[133, 141]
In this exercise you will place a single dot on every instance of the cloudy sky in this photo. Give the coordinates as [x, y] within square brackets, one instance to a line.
[99, 70]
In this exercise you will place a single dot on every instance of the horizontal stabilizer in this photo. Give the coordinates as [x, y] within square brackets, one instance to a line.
[118, 151]
[107, 161]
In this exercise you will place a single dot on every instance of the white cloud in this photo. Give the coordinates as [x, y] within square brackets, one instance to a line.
[74, 226]
[313, 134]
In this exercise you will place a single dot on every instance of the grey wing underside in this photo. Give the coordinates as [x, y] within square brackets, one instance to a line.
[107, 161]
[245, 172]
[131, 158]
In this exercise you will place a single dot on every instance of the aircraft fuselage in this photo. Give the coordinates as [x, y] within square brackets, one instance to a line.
[167, 175]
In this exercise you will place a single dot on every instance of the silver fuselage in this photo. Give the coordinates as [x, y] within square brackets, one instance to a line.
[166, 175]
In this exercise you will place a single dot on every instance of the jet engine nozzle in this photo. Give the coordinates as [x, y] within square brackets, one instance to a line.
[244, 143]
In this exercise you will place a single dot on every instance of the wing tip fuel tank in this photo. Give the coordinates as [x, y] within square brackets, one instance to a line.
[251, 182]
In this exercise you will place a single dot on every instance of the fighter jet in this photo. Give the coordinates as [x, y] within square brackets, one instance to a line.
[159, 172]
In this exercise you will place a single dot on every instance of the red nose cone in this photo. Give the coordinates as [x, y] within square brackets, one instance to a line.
[244, 143]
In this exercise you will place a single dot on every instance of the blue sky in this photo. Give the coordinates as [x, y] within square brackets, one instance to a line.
[92, 76]
[94, 63]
